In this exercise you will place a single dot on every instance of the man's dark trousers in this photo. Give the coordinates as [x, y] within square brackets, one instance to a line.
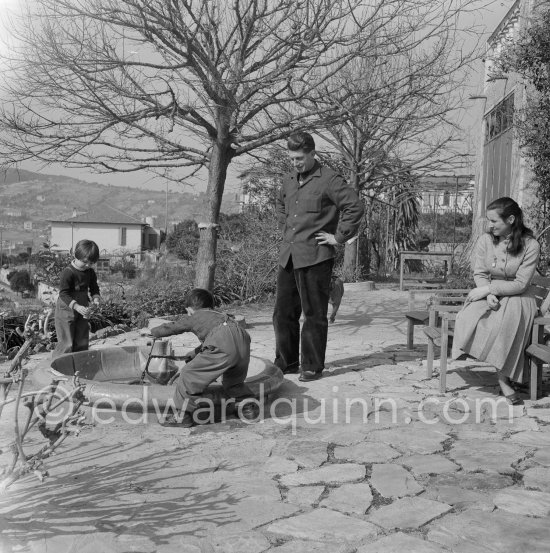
[302, 290]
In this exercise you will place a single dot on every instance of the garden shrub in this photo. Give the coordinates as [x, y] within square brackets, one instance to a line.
[247, 260]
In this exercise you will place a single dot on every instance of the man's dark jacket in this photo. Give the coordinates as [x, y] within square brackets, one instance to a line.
[303, 209]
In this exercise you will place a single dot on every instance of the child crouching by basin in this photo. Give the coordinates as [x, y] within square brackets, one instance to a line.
[224, 351]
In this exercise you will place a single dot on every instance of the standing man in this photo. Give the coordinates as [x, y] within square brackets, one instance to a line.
[308, 206]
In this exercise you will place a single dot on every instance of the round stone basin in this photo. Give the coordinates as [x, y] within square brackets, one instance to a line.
[112, 378]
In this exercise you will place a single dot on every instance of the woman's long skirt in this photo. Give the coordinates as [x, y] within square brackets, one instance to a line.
[496, 337]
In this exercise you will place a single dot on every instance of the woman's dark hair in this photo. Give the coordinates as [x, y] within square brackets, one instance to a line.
[199, 298]
[300, 141]
[86, 250]
[505, 207]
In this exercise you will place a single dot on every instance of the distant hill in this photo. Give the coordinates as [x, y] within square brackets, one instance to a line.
[27, 196]
[41, 198]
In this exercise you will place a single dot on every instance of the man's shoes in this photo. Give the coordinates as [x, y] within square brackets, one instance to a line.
[290, 369]
[310, 376]
[514, 399]
[293, 369]
[184, 421]
[250, 411]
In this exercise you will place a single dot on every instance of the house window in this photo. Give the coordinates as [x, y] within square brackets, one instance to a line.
[123, 236]
[500, 118]
[446, 198]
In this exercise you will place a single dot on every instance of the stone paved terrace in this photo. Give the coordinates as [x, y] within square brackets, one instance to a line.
[335, 478]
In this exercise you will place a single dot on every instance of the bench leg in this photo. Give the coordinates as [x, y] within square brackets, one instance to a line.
[410, 335]
[430, 354]
[536, 379]
[443, 362]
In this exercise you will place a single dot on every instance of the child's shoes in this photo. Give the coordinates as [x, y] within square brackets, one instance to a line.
[249, 411]
[185, 420]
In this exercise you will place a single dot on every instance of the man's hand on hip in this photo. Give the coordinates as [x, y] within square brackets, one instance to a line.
[326, 238]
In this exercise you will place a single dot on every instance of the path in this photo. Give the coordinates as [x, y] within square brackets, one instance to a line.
[373, 461]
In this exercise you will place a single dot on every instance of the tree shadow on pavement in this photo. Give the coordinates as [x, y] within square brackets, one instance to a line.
[129, 489]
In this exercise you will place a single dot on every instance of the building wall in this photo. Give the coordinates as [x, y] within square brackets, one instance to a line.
[500, 168]
[64, 236]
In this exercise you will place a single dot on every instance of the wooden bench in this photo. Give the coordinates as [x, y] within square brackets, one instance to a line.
[416, 316]
[538, 352]
[443, 333]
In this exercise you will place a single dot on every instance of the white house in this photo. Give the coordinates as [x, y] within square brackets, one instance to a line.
[115, 232]
[501, 168]
[446, 193]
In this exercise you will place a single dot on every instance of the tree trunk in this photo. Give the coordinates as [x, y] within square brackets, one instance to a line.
[206, 256]
[349, 267]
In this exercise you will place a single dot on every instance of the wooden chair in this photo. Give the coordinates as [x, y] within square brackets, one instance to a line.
[416, 316]
[538, 352]
[444, 334]
[438, 331]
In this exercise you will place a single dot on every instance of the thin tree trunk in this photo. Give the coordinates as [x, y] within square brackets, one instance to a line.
[206, 256]
[349, 268]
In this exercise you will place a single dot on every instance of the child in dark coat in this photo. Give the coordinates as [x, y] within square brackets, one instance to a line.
[224, 351]
[77, 283]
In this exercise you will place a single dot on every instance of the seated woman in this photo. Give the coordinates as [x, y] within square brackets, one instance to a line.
[495, 323]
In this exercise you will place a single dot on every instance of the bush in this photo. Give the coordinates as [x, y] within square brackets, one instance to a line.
[156, 298]
[20, 281]
[247, 258]
[126, 266]
[183, 241]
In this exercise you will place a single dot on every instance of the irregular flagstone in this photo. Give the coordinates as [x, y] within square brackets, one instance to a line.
[323, 525]
[475, 455]
[409, 512]
[471, 481]
[237, 484]
[307, 453]
[343, 435]
[394, 481]
[542, 456]
[485, 433]
[382, 420]
[385, 401]
[428, 464]
[226, 542]
[531, 439]
[366, 452]
[462, 498]
[349, 499]
[251, 513]
[411, 439]
[518, 424]
[400, 543]
[340, 375]
[279, 465]
[106, 542]
[328, 474]
[524, 502]
[476, 531]
[537, 478]
[303, 546]
[542, 414]
[304, 495]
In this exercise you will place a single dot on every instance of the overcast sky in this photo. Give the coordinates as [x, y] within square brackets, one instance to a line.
[491, 18]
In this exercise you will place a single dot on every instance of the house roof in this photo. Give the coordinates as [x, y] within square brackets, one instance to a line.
[102, 214]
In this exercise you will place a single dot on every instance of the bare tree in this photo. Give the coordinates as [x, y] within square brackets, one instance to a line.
[401, 105]
[175, 85]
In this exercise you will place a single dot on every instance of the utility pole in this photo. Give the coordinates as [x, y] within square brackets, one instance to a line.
[166, 213]
[454, 222]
